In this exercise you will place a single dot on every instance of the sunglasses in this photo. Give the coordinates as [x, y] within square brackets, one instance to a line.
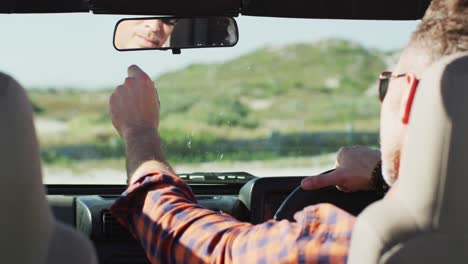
[384, 81]
[169, 21]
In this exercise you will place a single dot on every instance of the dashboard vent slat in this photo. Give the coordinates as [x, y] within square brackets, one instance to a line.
[112, 229]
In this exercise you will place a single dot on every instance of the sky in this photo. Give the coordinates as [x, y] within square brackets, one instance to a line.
[75, 50]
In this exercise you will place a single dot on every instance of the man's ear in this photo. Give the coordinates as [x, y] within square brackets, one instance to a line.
[411, 84]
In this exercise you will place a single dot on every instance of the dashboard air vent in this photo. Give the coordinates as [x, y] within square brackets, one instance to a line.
[112, 229]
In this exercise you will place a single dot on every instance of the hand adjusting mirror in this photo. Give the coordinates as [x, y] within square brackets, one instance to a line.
[164, 33]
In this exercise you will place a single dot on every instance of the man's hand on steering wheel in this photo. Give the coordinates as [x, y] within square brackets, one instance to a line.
[354, 167]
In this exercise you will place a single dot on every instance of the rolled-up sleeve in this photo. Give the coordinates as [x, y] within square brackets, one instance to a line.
[161, 211]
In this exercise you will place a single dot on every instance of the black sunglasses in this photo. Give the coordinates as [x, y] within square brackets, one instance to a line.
[384, 81]
[169, 21]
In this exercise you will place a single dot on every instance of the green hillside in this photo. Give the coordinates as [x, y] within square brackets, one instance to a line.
[308, 86]
[301, 88]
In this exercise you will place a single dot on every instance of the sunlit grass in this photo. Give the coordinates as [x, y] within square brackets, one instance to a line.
[265, 98]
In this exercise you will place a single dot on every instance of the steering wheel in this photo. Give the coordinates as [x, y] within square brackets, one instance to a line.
[352, 202]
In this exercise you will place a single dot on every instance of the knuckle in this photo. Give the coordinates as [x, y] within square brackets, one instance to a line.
[343, 150]
[128, 81]
[342, 181]
[337, 180]
[340, 175]
[112, 97]
[119, 89]
[145, 77]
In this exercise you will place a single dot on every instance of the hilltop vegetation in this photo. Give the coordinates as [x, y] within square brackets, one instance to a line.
[301, 88]
[275, 88]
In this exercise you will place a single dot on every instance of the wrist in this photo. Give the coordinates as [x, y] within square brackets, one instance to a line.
[139, 133]
[143, 145]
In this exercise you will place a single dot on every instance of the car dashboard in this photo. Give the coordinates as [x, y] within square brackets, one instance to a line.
[86, 207]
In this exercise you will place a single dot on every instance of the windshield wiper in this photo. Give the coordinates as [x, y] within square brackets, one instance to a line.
[217, 177]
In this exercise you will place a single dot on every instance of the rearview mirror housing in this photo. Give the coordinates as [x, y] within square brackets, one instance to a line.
[172, 33]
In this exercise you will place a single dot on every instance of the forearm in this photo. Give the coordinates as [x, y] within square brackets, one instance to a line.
[162, 213]
[184, 231]
[144, 154]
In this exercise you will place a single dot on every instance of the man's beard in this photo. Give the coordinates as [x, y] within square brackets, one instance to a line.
[391, 173]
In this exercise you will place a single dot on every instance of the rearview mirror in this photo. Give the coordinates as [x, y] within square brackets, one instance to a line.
[162, 33]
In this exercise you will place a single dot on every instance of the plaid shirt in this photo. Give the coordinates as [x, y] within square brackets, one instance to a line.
[161, 211]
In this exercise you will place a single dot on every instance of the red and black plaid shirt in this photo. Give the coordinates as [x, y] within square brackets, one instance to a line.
[161, 211]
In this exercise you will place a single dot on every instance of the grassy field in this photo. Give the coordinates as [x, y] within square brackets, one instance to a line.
[276, 102]
[112, 171]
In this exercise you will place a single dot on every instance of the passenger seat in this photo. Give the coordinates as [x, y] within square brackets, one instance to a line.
[426, 218]
[28, 231]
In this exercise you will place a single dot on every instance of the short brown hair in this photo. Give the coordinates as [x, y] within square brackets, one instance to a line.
[443, 29]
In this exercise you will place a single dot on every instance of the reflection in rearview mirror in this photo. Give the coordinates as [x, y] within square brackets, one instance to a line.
[175, 33]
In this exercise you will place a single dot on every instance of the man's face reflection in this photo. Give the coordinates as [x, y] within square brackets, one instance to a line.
[144, 34]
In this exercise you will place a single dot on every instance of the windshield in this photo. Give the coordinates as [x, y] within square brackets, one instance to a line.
[281, 102]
